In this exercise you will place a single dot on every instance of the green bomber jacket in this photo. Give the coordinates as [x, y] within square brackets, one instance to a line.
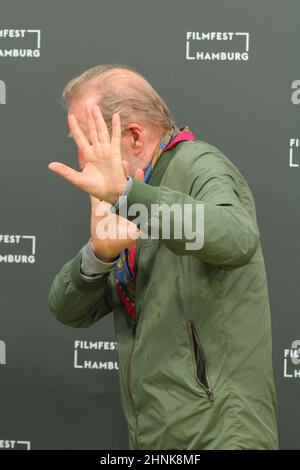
[195, 366]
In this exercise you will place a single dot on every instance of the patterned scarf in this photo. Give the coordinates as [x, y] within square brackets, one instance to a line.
[124, 271]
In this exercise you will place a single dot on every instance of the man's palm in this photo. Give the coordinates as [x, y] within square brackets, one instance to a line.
[103, 174]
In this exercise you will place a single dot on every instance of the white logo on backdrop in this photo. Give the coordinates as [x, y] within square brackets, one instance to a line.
[205, 46]
[2, 92]
[295, 97]
[20, 43]
[7, 444]
[21, 242]
[87, 359]
[291, 367]
[2, 353]
[294, 154]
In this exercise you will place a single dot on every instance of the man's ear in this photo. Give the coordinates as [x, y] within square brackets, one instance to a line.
[135, 133]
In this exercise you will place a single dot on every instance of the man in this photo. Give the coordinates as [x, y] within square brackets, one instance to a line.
[192, 320]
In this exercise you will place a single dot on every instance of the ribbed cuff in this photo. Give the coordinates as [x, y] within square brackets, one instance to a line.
[80, 282]
[92, 267]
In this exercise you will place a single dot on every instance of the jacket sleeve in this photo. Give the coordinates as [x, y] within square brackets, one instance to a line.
[229, 224]
[75, 301]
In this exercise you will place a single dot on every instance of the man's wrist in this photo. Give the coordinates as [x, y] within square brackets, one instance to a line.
[126, 190]
[122, 189]
[91, 265]
[101, 258]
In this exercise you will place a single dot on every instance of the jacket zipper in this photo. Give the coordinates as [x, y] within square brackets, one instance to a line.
[129, 382]
[133, 322]
[209, 390]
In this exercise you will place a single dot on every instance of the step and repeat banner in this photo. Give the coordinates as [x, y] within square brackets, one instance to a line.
[231, 72]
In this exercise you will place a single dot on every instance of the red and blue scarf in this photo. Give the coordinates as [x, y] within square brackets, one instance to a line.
[124, 271]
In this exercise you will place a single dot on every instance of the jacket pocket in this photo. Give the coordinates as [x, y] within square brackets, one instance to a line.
[199, 362]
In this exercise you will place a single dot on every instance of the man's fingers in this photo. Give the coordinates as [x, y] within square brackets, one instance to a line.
[103, 209]
[81, 160]
[78, 135]
[139, 174]
[91, 125]
[133, 232]
[103, 134]
[116, 134]
[96, 203]
[67, 173]
[99, 208]
[125, 167]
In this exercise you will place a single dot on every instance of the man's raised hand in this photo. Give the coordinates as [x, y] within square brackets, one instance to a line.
[103, 175]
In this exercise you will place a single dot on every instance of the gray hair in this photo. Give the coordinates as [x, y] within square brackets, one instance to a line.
[135, 100]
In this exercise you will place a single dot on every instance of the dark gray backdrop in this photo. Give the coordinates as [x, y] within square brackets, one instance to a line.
[246, 108]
